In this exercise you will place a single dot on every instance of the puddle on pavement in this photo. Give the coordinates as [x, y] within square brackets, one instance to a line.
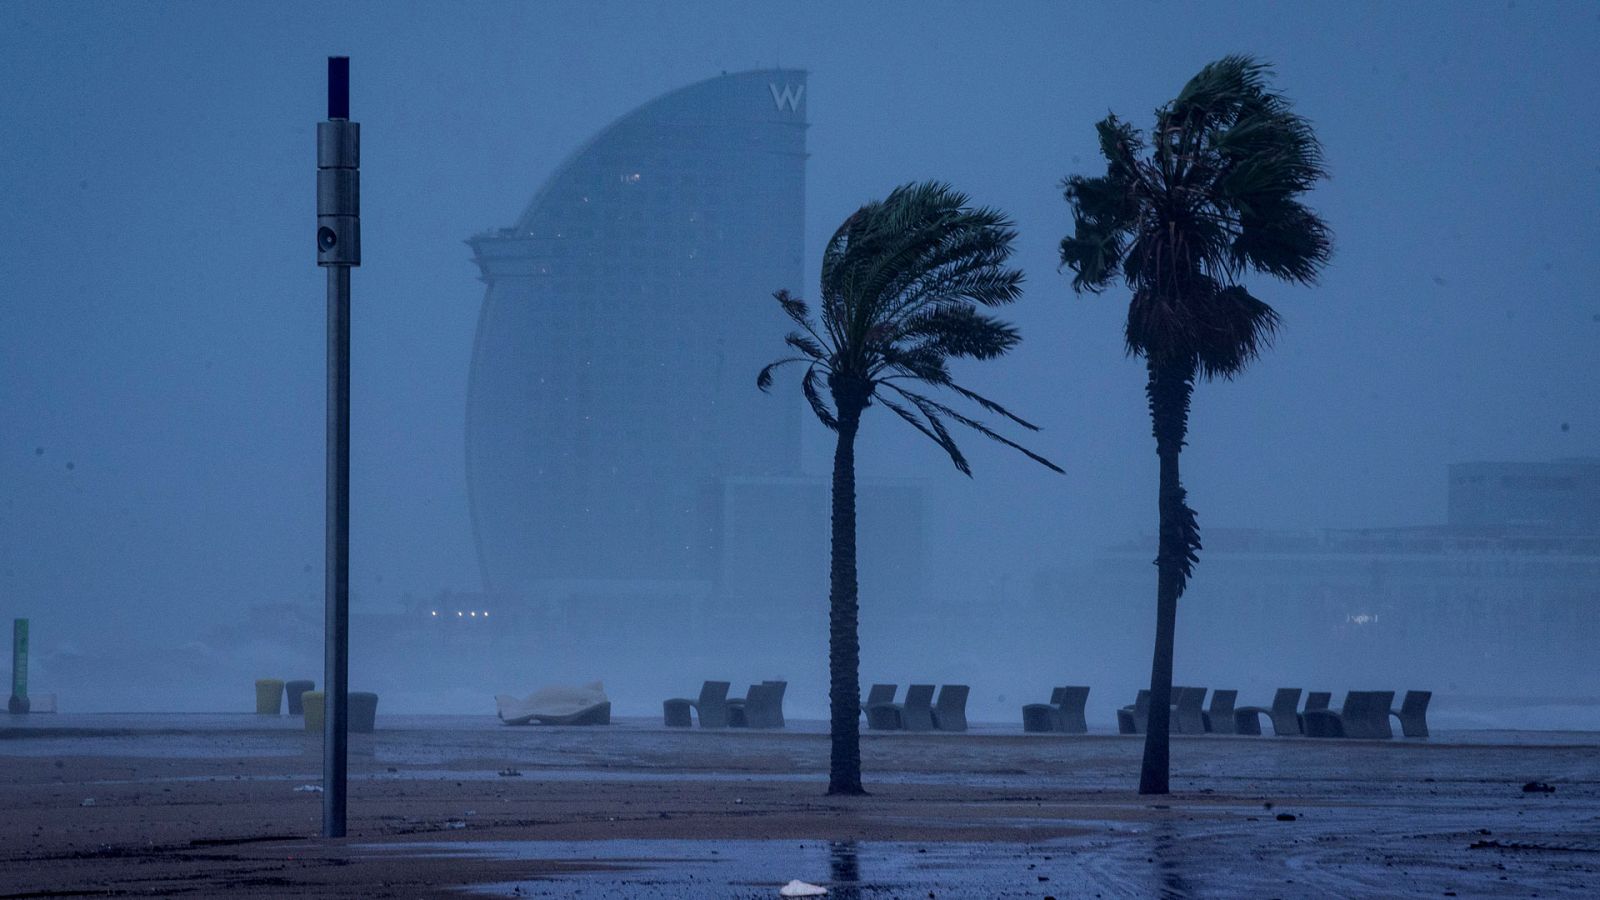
[849, 870]
[1234, 852]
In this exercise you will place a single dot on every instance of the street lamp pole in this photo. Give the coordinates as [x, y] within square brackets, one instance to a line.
[338, 250]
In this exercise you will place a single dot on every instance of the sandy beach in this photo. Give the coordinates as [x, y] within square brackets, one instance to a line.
[212, 805]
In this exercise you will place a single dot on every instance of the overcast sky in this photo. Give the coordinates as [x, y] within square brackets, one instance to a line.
[161, 315]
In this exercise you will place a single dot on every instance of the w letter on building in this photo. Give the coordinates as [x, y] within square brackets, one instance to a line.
[790, 96]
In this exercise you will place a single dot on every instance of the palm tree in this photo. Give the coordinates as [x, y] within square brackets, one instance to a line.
[1214, 195]
[902, 283]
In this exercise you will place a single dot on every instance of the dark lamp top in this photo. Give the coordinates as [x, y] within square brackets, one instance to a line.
[338, 87]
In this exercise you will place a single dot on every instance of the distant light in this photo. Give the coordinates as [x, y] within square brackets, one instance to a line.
[435, 612]
[458, 612]
[474, 614]
[486, 614]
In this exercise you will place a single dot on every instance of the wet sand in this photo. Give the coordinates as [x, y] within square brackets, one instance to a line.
[207, 806]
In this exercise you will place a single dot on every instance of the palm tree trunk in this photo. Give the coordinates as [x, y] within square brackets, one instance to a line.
[1168, 390]
[844, 647]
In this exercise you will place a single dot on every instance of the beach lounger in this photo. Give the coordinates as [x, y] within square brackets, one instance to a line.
[1315, 702]
[1370, 719]
[762, 706]
[1219, 718]
[557, 705]
[1073, 699]
[1282, 713]
[1043, 717]
[772, 716]
[712, 707]
[950, 712]
[1413, 713]
[915, 714]
[878, 695]
[1064, 712]
[1135, 719]
[1365, 715]
[1187, 715]
[736, 706]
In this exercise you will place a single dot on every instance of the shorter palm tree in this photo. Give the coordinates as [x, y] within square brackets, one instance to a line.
[903, 280]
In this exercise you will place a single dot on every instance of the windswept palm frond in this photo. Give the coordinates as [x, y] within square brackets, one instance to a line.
[1181, 218]
[806, 344]
[819, 406]
[905, 282]
[933, 409]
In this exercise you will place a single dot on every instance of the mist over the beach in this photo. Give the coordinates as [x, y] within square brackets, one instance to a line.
[162, 353]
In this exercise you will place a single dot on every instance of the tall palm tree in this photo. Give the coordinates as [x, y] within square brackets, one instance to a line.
[902, 283]
[1214, 195]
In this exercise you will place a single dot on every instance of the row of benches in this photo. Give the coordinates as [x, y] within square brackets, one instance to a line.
[919, 711]
[1365, 713]
[762, 707]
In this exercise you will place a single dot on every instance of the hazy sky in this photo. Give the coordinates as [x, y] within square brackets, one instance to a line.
[161, 316]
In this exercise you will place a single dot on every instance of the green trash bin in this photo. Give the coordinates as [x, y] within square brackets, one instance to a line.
[363, 712]
[269, 696]
[311, 704]
[292, 690]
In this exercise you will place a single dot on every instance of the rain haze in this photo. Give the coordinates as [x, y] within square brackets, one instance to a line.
[162, 353]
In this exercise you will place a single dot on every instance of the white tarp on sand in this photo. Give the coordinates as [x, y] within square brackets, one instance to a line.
[554, 702]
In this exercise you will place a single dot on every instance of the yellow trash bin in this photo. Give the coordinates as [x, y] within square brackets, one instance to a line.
[311, 703]
[269, 696]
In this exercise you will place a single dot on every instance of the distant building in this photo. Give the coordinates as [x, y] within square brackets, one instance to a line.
[1503, 600]
[1563, 495]
[622, 467]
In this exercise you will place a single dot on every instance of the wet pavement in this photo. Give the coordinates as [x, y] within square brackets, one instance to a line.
[638, 810]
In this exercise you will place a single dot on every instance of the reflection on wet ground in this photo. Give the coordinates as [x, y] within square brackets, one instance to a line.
[1240, 852]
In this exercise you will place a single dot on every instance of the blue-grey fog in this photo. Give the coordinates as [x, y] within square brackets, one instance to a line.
[575, 478]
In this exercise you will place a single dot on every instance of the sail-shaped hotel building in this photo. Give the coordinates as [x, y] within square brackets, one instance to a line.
[611, 396]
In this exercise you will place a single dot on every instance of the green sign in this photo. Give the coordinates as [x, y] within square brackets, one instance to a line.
[19, 659]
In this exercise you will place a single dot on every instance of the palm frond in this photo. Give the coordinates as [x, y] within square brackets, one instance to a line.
[904, 282]
[960, 330]
[1237, 328]
[793, 307]
[934, 430]
[764, 377]
[1120, 144]
[1289, 242]
[990, 405]
[933, 408]
[1215, 197]
[805, 344]
[808, 386]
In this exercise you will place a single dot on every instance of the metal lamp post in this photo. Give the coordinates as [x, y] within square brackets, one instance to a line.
[338, 250]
